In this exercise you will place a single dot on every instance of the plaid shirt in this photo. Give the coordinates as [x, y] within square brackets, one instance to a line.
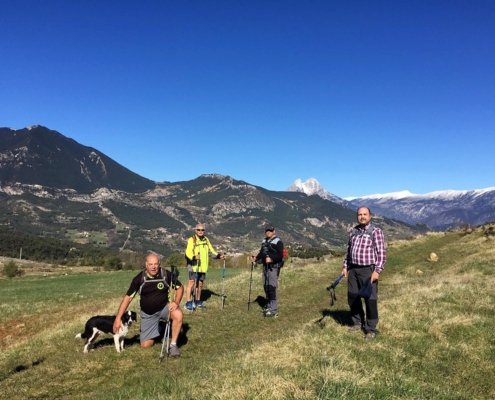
[363, 250]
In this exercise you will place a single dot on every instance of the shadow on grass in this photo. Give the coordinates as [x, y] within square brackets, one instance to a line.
[207, 293]
[261, 301]
[22, 368]
[339, 316]
[182, 339]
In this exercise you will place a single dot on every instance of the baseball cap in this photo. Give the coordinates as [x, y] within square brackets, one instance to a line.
[269, 227]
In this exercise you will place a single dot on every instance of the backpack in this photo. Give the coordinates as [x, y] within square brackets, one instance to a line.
[285, 255]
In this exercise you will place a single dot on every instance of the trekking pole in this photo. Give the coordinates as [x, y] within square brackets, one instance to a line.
[197, 295]
[250, 284]
[166, 335]
[223, 284]
[192, 292]
[332, 287]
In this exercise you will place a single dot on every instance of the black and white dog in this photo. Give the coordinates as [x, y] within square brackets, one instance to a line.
[104, 324]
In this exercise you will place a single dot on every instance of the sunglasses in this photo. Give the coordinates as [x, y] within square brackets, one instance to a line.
[200, 230]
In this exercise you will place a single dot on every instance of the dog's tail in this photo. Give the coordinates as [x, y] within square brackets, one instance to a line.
[79, 336]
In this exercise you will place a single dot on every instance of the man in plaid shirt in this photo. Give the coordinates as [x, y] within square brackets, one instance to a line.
[365, 260]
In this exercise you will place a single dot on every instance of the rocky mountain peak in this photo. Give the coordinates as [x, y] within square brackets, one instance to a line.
[38, 155]
[312, 187]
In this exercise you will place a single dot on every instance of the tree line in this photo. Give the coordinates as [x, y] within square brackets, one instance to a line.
[17, 244]
[27, 246]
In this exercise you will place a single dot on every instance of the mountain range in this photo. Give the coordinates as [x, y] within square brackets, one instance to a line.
[51, 185]
[438, 210]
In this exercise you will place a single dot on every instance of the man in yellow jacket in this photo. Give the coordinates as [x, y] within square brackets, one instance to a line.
[197, 256]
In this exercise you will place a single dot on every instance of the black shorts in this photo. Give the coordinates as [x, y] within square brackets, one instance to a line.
[192, 276]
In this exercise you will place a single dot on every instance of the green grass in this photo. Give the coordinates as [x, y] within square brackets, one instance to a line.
[435, 342]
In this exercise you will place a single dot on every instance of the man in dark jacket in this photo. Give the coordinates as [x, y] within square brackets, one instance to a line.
[271, 256]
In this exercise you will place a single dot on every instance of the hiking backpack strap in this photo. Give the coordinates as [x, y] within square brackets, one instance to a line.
[273, 242]
[190, 261]
[148, 280]
[356, 232]
[369, 231]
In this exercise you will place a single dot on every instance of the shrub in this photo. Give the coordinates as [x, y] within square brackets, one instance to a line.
[11, 270]
[175, 258]
[113, 264]
[128, 266]
[490, 231]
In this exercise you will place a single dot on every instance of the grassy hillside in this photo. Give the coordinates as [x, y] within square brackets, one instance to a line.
[435, 342]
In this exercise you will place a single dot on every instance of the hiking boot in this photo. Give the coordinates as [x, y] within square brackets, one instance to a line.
[173, 351]
[271, 314]
[354, 328]
[370, 336]
[190, 306]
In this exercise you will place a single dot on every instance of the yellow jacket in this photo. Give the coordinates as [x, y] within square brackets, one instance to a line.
[196, 245]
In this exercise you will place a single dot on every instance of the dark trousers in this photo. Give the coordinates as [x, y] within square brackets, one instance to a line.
[270, 284]
[357, 278]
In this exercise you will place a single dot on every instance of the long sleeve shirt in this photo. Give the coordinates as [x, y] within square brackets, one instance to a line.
[366, 246]
[202, 246]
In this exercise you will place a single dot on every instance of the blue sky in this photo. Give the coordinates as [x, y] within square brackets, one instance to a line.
[365, 96]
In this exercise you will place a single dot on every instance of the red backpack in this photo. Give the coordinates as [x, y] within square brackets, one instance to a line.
[285, 253]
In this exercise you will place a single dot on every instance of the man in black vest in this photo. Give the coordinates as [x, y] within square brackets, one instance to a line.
[153, 285]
